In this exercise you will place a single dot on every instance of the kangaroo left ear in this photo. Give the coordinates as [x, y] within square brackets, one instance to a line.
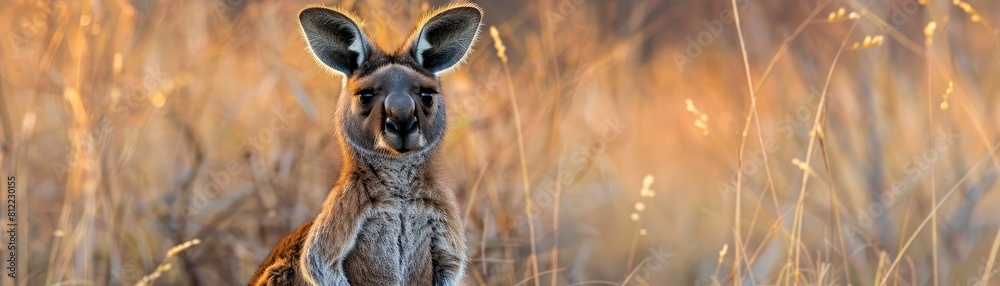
[335, 38]
[445, 37]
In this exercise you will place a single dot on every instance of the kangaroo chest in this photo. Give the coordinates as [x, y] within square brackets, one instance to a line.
[394, 244]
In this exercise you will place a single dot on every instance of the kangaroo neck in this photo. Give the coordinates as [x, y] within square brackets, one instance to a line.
[387, 176]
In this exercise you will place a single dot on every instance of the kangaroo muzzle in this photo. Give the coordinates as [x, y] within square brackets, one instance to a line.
[399, 117]
[402, 132]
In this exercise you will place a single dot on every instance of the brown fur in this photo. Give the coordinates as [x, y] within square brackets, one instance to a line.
[283, 261]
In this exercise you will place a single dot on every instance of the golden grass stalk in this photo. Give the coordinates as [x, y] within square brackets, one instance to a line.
[750, 115]
[755, 117]
[555, 221]
[718, 264]
[164, 266]
[929, 34]
[737, 235]
[800, 204]
[636, 216]
[937, 206]
[533, 259]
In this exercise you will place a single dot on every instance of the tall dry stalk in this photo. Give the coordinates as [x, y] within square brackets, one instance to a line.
[533, 259]
[737, 235]
[815, 129]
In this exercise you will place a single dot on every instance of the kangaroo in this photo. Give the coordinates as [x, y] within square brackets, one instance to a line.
[389, 219]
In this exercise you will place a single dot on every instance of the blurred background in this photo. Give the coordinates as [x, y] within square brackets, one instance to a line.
[196, 134]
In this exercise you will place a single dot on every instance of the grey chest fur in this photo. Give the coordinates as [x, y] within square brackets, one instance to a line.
[394, 245]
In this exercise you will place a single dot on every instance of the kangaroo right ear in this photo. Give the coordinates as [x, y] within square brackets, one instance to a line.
[443, 38]
[335, 39]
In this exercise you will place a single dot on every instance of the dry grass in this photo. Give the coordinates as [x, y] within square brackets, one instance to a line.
[864, 135]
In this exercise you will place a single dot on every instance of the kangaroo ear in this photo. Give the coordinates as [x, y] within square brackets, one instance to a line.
[444, 38]
[335, 39]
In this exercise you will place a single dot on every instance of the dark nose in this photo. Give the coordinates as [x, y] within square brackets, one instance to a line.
[400, 118]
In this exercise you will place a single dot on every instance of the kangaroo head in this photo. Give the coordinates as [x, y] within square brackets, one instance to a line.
[391, 104]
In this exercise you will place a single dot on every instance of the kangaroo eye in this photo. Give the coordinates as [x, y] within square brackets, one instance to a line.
[427, 95]
[365, 96]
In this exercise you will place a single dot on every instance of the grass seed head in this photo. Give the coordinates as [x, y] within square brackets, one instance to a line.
[967, 8]
[929, 32]
[722, 252]
[947, 95]
[702, 121]
[498, 44]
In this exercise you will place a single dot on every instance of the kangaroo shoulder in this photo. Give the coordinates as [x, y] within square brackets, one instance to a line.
[281, 266]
